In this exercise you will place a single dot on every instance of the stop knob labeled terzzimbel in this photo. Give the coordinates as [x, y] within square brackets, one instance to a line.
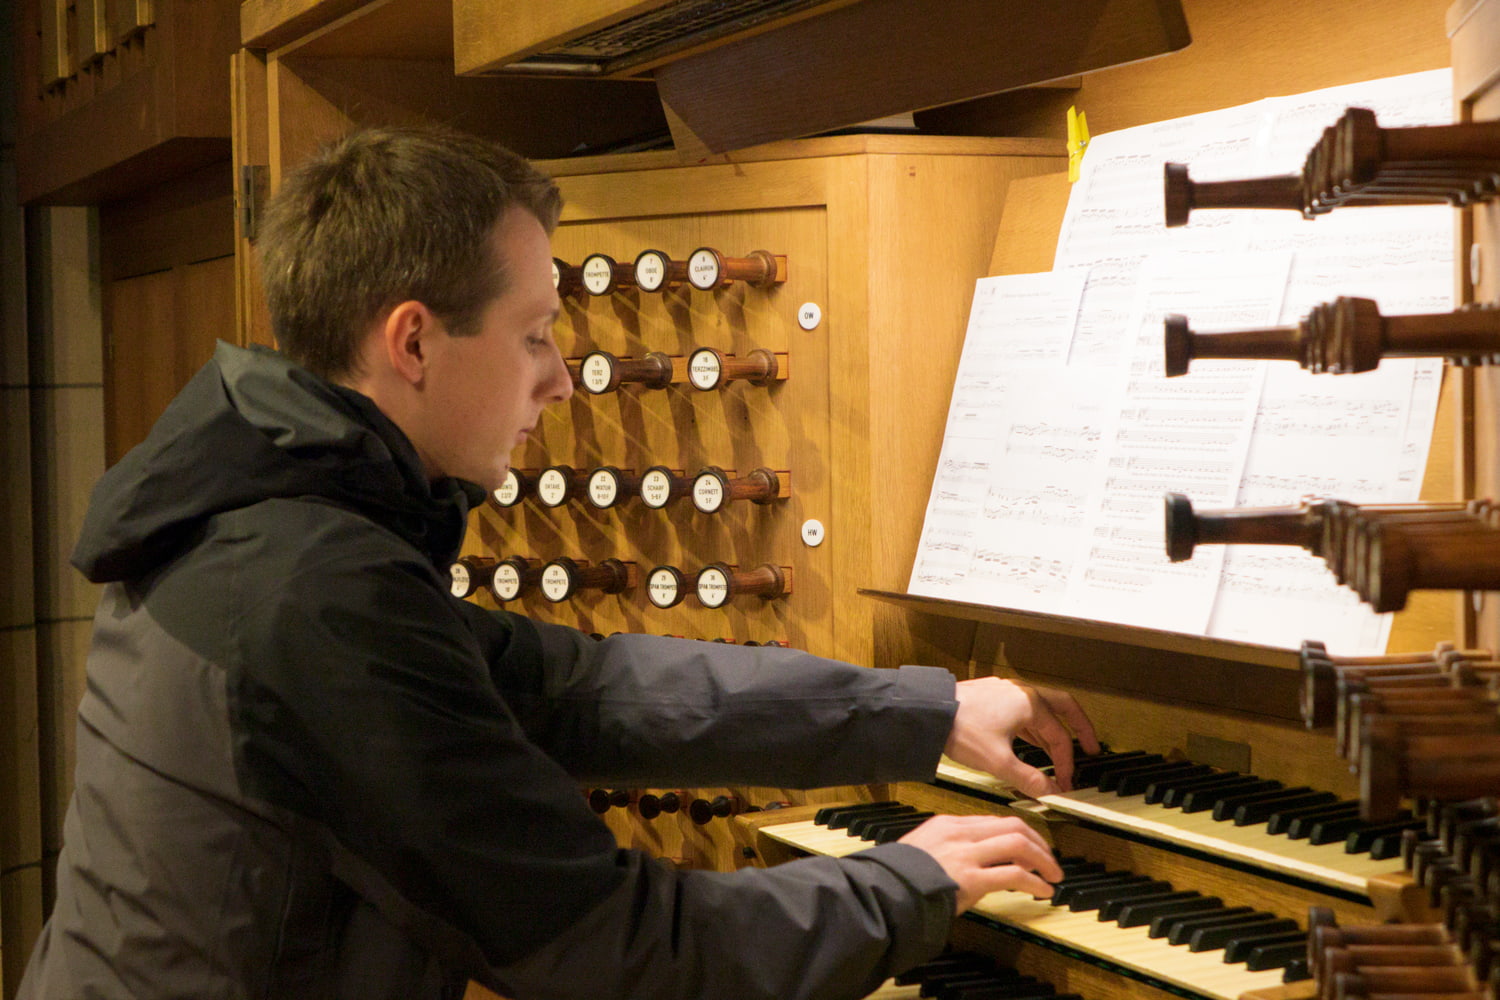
[469, 574]
[513, 576]
[603, 274]
[713, 488]
[719, 583]
[518, 485]
[709, 368]
[564, 578]
[601, 372]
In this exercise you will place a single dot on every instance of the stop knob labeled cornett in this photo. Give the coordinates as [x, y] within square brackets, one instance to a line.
[713, 488]
[719, 583]
[564, 578]
[601, 372]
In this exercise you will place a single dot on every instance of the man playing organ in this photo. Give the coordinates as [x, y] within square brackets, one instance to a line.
[305, 769]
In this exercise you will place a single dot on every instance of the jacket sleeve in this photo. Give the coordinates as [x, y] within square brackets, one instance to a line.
[365, 704]
[659, 711]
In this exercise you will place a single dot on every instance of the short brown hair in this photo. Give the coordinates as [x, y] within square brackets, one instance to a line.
[382, 216]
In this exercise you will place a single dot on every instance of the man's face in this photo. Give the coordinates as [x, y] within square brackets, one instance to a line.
[485, 392]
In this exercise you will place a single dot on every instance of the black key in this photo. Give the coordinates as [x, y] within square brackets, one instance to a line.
[888, 830]
[1171, 792]
[1298, 969]
[1109, 778]
[1140, 783]
[1226, 805]
[1110, 908]
[1030, 989]
[833, 816]
[1277, 956]
[1065, 890]
[1300, 822]
[1136, 782]
[947, 985]
[1029, 753]
[1086, 769]
[1079, 866]
[1363, 839]
[944, 963]
[1094, 897]
[1188, 922]
[1215, 936]
[1139, 914]
[1333, 831]
[854, 824]
[1238, 949]
[1203, 799]
[861, 826]
[1109, 773]
[1253, 813]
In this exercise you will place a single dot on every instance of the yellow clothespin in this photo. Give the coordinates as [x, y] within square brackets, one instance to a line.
[1078, 141]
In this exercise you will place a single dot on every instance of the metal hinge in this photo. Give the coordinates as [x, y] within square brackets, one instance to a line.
[255, 182]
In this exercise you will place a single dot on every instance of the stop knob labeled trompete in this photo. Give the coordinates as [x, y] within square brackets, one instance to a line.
[564, 578]
[1357, 162]
[1343, 337]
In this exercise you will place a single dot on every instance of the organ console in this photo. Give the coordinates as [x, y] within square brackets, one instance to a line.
[1345, 336]
[713, 488]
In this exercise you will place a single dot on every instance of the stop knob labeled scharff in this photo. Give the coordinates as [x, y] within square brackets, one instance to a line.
[601, 372]
[718, 583]
[661, 485]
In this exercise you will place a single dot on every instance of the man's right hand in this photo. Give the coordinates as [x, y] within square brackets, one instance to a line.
[984, 854]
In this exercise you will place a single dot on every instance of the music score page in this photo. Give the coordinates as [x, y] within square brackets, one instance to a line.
[1064, 434]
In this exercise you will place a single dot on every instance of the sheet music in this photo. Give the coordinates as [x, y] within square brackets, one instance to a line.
[1069, 529]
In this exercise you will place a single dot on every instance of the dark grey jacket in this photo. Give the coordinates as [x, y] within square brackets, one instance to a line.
[305, 770]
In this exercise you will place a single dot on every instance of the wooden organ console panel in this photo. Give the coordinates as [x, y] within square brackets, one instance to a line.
[762, 353]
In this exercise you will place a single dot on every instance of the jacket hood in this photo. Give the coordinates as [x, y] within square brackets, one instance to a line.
[252, 426]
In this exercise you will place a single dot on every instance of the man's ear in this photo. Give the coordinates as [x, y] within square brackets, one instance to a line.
[405, 336]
